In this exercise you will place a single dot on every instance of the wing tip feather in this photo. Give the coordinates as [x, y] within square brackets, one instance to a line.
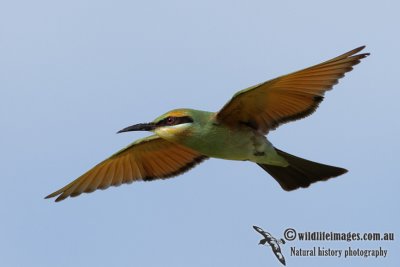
[54, 194]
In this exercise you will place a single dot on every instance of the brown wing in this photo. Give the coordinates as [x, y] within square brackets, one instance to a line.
[146, 159]
[290, 97]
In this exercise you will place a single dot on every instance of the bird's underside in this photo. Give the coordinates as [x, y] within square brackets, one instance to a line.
[260, 108]
[146, 159]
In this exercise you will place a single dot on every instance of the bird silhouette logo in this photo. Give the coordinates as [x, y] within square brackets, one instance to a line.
[273, 242]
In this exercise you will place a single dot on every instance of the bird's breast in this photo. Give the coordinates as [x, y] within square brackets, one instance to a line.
[222, 142]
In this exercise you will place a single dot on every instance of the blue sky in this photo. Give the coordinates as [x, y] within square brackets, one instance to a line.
[75, 72]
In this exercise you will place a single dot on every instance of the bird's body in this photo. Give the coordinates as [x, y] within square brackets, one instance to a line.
[215, 140]
[185, 137]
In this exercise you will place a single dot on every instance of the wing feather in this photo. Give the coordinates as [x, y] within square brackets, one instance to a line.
[118, 177]
[267, 105]
[145, 160]
[108, 176]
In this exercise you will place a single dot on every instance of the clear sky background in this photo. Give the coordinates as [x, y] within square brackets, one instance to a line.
[72, 73]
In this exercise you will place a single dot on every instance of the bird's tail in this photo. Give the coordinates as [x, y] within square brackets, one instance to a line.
[300, 172]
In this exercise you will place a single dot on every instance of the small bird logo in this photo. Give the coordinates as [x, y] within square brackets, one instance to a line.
[182, 138]
[273, 242]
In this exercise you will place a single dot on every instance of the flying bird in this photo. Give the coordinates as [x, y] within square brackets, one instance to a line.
[273, 242]
[185, 137]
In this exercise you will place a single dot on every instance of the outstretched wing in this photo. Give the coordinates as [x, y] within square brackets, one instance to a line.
[277, 251]
[267, 105]
[146, 159]
[261, 231]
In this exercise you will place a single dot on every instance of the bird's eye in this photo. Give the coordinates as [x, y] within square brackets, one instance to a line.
[170, 120]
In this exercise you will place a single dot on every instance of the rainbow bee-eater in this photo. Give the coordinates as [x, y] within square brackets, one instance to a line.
[185, 137]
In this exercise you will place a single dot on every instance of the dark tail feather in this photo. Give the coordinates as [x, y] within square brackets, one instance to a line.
[300, 172]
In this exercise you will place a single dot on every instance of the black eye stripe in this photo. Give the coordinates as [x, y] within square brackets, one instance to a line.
[169, 121]
[185, 119]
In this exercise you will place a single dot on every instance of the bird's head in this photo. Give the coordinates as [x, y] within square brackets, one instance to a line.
[171, 125]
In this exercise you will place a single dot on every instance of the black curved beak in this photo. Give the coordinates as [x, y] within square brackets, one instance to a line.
[139, 127]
